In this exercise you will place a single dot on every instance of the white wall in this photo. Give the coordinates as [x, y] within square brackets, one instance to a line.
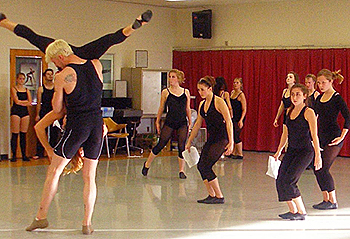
[80, 21]
[321, 23]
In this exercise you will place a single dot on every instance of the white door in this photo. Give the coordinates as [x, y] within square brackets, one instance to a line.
[151, 91]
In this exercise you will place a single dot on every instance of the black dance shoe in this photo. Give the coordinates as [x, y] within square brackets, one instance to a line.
[2, 16]
[325, 206]
[26, 159]
[144, 170]
[287, 215]
[145, 17]
[297, 216]
[206, 200]
[182, 175]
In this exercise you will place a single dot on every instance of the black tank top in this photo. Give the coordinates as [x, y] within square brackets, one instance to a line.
[298, 131]
[20, 96]
[236, 108]
[85, 100]
[176, 107]
[215, 122]
[286, 101]
[311, 100]
[46, 98]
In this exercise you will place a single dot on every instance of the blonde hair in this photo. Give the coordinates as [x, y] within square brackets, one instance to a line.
[240, 80]
[56, 48]
[335, 75]
[180, 75]
[74, 165]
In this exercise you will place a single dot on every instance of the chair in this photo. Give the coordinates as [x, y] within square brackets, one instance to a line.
[115, 132]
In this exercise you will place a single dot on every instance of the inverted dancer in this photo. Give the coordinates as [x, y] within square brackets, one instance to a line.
[300, 128]
[89, 51]
[215, 112]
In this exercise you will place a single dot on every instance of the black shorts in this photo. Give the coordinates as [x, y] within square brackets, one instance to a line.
[89, 136]
[20, 111]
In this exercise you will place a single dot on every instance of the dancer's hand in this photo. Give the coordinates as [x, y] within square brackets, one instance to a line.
[240, 124]
[50, 154]
[336, 141]
[318, 162]
[275, 123]
[229, 148]
[277, 155]
[188, 147]
[158, 127]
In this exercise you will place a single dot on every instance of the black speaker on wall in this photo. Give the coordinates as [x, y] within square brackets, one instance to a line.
[201, 24]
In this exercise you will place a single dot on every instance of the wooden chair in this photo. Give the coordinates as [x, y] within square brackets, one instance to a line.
[115, 131]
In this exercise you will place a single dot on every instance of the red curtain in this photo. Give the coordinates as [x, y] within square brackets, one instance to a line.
[264, 73]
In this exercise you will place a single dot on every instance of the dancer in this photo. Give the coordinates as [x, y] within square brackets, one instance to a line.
[310, 81]
[90, 51]
[220, 89]
[300, 128]
[43, 107]
[215, 112]
[79, 84]
[19, 116]
[178, 101]
[292, 78]
[239, 105]
[327, 107]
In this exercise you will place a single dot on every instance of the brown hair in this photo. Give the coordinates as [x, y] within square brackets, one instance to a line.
[335, 75]
[296, 76]
[312, 76]
[180, 75]
[19, 74]
[207, 80]
[303, 89]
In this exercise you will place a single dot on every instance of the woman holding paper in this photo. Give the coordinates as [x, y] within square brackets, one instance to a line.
[215, 112]
[300, 128]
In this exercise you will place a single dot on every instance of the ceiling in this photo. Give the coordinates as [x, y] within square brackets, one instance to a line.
[190, 3]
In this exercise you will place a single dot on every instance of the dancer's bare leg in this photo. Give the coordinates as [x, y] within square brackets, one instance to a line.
[54, 172]
[89, 193]
[214, 184]
[9, 25]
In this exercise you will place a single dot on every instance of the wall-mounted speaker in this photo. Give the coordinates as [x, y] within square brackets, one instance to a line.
[201, 24]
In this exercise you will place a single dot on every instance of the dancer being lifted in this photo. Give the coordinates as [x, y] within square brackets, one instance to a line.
[89, 51]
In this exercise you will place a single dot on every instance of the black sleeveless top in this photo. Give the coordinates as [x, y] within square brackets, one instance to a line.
[299, 131]
[176, 108]
[236, 108]
[46, 98]
[311, 100]
[84, 102]
[286, 101]
[215, 122]
[20, 96]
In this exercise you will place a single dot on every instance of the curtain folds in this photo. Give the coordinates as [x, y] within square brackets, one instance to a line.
[263, 73]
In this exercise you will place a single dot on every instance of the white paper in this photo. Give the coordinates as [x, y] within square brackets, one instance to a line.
[192, 157]
[272, 167]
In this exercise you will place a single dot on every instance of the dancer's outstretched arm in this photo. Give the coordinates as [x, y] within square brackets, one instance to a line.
[91, 50]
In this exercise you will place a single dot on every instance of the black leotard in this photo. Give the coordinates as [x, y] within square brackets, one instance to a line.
[20, 110]
[176, 116]
[236, 108]
[215, 122]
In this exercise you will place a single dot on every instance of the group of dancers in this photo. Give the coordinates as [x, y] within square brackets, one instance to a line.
[78, 89]
[311, 131]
